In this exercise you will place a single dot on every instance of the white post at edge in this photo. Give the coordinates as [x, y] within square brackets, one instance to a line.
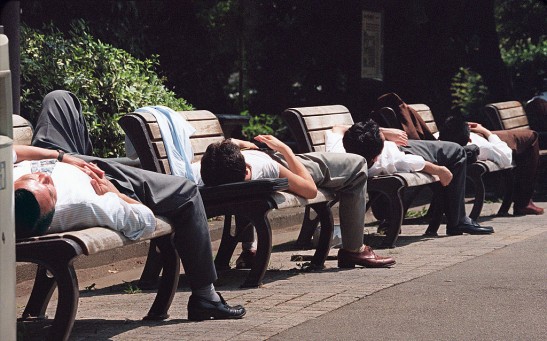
[8, 325]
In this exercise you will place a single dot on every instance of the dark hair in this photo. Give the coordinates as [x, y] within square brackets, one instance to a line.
[455, 129]
[28, 219]
[363, 138]
[222, 163]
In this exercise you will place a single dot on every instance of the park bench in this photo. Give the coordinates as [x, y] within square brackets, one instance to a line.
[55, 254]
[507, 116]
[308, 126]
[145, 135]
[475, 171]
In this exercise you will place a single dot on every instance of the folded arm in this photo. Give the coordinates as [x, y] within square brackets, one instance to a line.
[300, 180]
[29, 153]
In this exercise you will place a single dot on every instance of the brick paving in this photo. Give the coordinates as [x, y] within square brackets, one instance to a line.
[289, 296]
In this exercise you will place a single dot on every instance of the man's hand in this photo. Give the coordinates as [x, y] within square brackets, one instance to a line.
[445, 176]
[244, 144]
[273, 142]
[101, 185]
[395, 135]
[479, 129]
[82, 165]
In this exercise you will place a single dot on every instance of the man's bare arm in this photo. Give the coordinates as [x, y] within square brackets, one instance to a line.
[444, 174]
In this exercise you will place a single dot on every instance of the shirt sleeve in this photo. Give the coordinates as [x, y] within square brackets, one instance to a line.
[14, 156]
[133, 220]
[505, 154]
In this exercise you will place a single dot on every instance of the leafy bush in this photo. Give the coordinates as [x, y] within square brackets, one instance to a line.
[264, 124]
[108, 81]
[469, 93]
[526, 62]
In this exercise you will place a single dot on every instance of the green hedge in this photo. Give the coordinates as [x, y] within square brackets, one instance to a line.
[108, 81]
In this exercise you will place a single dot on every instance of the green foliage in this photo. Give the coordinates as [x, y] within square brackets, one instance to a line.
[469, 93]
[527, 63]
[108, 81]
[520, 20]
[263, 124]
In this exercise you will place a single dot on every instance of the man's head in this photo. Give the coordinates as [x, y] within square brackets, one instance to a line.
[365, 139]
[455, 129]
[223, 163]
[35, 198]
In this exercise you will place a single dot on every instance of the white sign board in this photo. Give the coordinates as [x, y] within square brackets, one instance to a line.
[372, 45]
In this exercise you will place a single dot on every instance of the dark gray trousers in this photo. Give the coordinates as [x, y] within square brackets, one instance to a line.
[452, 156]
[62, 126]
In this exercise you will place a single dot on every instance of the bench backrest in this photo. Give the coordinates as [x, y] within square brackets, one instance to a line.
[308, 124]
[425, 113]
[22, 130]
[150, 147]
[506, 115]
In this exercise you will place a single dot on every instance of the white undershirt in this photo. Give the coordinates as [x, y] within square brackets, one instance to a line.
[78, 205]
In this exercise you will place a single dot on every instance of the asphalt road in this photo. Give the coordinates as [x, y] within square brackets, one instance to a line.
[498, 296]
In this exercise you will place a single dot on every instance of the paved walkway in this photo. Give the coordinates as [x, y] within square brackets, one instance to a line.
[291, 297]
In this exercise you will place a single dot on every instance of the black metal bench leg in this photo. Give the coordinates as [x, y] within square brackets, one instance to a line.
[327, 227]
[263, 251]
[169, 279]
[435, 212]
[508, 197]
[57, 256]
[309, 225]
[396, 219]
[227, 246]
[152, 268]
[67, 303]
[474, 174]
[43, 288]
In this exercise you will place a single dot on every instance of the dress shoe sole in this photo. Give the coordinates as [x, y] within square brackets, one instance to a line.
[459, 233]
[196, 317]
[352, 265]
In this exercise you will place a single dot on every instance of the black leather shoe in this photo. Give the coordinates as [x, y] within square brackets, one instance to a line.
[473, 228]
[200, 309]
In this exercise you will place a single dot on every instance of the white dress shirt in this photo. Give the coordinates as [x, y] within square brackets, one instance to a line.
[493, 149]
[78, 205]
[391, 159]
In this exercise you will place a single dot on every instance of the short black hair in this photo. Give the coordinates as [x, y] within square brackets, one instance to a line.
[455, 129]
[28, 219]
[363, 138]
[222, 163]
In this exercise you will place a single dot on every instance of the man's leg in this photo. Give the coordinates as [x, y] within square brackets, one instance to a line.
[525, 146]
[346, 174]
[179, 200]
[61, 124]
[452, 156]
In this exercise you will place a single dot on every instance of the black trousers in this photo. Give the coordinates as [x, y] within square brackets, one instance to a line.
[452, 156]
[62, 126]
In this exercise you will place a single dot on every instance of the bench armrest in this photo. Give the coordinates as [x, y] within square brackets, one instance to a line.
[243, 189]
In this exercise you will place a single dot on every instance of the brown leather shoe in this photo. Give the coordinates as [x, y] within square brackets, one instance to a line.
[531, 209]
[366, 258]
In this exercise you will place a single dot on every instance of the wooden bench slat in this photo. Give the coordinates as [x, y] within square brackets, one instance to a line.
[206, 128]
[516, 122]
[327, 121]
[323, 110]
[506, 105]
[511, 112]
